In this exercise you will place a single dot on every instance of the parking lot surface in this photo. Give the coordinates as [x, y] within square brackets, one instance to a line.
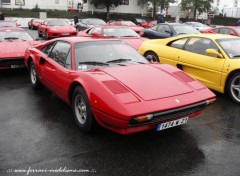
[38, 133]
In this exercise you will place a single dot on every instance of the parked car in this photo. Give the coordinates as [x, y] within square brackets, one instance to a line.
[199, 26]
[105, 32]
[165, 30]
[56, 28]
[138, 21]
[34, 23]
[149, 24]
[6, 23]
[213, 59]
[13, 43]
[88, 23]
[100, 80]
[229, 30]
[129, 24]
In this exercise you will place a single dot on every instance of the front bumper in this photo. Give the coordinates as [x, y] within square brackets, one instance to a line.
[11, 63]
[127, 127]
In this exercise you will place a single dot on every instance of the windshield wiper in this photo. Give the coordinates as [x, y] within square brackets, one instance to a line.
[93, 63]
[236, 56]
[129, 36]
[11, 38]
[119, 60]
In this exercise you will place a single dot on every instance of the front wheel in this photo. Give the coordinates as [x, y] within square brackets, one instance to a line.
[33, 77]
[233, 87]
[39, 34]
[82, 111]
[46, 35]
[153, 55]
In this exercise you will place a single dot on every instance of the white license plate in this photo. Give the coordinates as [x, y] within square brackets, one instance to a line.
[16, 66]
[171, 124]
[65, 34]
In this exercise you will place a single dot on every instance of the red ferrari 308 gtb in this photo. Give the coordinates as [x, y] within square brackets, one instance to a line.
[13, 43]
[109, 83]
[105, 32]
[56, 28]
[129, 24]
[34, 23]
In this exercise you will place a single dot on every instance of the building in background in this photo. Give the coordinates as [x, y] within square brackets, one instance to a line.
[126, 7]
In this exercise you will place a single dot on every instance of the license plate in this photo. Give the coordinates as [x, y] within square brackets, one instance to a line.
[65, 34]
[16, 66]
[171, 124]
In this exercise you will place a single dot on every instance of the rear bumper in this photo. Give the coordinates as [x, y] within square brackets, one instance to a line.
[11, 63]
[61, 34]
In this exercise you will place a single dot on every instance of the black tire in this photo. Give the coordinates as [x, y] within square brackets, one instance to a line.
[82, 111]
[154, 56]
[39, 35]
[46, 35]
[233, 87]
[29, 27]
[36, 84]
[32, 27]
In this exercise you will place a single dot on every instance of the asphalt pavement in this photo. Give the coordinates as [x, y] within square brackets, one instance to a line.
[38, 136]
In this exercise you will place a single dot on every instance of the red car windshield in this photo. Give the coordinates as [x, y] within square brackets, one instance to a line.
[128, 23]
[119, 32]
[57, 23]
[90, 55]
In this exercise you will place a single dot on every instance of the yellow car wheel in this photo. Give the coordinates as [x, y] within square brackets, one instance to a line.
[153, 55]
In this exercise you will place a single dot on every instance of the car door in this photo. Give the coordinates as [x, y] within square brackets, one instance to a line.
[56, 68]
[203, 67]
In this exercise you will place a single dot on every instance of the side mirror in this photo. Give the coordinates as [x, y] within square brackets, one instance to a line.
[149, 58]
[214, 53]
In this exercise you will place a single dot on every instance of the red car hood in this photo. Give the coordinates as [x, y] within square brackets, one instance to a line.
[157, 82]
[14, 48]
[133, 42]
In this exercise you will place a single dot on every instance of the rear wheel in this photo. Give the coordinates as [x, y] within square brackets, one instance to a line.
[82, 111]
[154, 56]
[34, 77]
[233, 87]
[32, 27]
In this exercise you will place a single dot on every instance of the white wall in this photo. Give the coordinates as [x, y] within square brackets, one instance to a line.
[42, 4]
[131, 8]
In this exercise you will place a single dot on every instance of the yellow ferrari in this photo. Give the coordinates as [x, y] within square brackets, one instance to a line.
[213, 59]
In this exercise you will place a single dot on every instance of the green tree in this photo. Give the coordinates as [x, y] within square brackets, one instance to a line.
[107, 3]
[163, 3]
[199, 6]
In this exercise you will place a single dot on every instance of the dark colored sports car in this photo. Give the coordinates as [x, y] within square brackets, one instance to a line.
[88, 23]
[165, 30]
[109, 83]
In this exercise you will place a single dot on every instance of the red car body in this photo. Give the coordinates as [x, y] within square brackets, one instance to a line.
[12, 50]
[56, 28]
[125, 97]
[34, 23]
[228, 30]
[149, 24]
[126, 34]
[129, 24]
